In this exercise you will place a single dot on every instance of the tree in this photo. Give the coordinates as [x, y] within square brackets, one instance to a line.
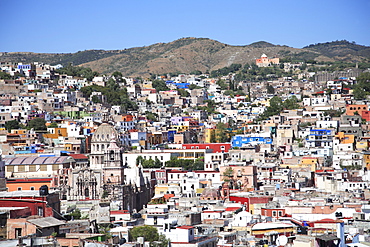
[228, 176]
[362, 89]
[12, 124]
[37, 124]
[270, 89]
[193, 86]
[76, 214]
[186, 164]
[196, 72]
[291, 103]
[162, 241]
[221, 133]
[183, 92]
[223, 85]
[150, 233]
[53, 125]
[151, 116]
[359, 93]
[160, 85]
[4, 75]
[95, 99]
[118, 76]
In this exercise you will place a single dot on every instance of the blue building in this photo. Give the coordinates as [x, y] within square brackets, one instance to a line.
[243, 140]
[320, 138]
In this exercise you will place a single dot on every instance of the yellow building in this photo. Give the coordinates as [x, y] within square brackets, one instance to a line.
[161, 190]
[209, 134]
[362, 145]
[367, 160]
[307, 162]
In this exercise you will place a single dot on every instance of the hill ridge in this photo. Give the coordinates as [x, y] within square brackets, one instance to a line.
[189, 54]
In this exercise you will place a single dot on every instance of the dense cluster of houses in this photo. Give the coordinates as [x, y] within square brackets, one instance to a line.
[299, 178]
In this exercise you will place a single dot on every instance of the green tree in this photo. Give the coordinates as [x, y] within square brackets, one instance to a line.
[37, 124]
[4, 75]
[228, 176]
[112, 84]
[150, 233]
[78, 71]
[113, 95]
[183, 92]
[161, 242]
[221, 133]
[53, 125]
[12, 124]
[362, 89]
[193, 86]
[76, 214]
[152, 116]
[196, 72]
[223, 85]
[291, 103]
[160, 85]
[359, 93]
[117, 76]
[95, 99]
[270, 89]
[185, 163]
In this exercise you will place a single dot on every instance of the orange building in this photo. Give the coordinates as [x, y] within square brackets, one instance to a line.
[344, 138]
[351, 110]
[56, 132]
[18, 184]
[365, 115]
[264, 61]
[128, 118]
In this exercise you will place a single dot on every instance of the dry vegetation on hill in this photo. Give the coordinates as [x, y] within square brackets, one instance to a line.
[189, 54]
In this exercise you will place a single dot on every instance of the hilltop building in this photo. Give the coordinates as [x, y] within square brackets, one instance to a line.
[264, 61]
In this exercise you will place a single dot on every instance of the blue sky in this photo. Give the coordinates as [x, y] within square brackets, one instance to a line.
[77, 25]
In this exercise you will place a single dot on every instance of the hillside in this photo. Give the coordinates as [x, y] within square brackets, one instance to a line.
[341, 50]
[189, 54]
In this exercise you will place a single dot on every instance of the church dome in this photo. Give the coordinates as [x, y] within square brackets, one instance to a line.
[104, 134]
[210, 193]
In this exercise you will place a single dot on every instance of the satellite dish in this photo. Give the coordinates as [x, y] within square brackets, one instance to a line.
[281, 240]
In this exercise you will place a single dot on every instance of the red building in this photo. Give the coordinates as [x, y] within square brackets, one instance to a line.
[273, 212]
[216, 147]
[249, 201]
[41, 205]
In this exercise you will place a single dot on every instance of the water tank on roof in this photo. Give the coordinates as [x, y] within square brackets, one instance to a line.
[44, 190]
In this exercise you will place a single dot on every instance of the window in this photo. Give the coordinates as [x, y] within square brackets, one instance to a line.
[21, 168]
[32, 188]
[55, 167]
[19, 188]
[18, 232]
[32, 168]
[40, 211]
[274, 213]
[280, 213]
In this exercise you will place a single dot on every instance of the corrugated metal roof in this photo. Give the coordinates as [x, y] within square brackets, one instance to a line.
[46, 222]
[37, 160]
